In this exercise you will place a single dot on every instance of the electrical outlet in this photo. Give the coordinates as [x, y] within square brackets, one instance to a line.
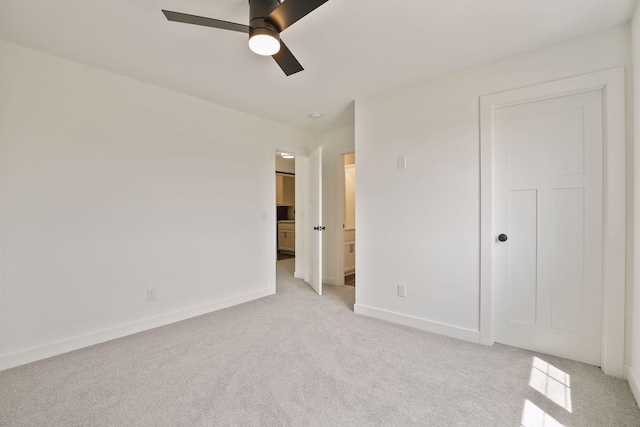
[151, 294]
[402, 290]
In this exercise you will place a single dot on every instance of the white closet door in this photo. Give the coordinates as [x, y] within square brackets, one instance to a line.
[549, 204]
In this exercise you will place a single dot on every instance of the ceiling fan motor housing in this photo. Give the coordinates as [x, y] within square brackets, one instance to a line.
[258, 12]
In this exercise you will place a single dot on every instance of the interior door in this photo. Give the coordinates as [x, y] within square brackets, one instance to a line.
[315, 220]
[549, 226]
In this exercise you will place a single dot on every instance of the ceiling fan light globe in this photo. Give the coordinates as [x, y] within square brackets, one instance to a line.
[264, 44]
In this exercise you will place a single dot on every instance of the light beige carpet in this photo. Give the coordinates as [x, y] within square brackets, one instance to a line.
[297, 359]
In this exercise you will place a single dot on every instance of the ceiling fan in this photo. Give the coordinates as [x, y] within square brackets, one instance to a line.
[267, 19]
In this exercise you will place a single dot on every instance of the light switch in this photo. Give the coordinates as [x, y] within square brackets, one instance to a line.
[402, 162]
[402, 290]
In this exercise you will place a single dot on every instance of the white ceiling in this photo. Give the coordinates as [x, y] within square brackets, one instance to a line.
[349, 48]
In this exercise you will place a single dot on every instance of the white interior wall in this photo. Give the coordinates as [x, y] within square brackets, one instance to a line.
[419, 226]
[111, 186]
[633, 296]
[334, 143]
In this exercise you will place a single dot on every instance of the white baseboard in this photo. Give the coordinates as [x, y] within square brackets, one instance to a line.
[329, 281]
[634, 382]
[298, 275]
[55, 348]
[416, 322]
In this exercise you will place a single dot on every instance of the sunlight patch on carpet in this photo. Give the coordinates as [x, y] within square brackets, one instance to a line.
[532, 416]
[551, 382]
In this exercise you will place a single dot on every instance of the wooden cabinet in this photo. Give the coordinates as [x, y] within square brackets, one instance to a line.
[287, 241]
[286, 237]
[289, 190]
[285, 190]
[279, 189]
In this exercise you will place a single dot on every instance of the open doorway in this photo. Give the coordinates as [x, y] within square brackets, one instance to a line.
[285, 206]
[300, 212]
[348, 245]
[285, 219]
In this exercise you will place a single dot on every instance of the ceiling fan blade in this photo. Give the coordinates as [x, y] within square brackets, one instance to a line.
[291, 11]
[206, 22]
[286, 60]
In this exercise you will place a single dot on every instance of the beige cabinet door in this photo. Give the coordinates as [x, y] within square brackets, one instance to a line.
[286, 237]
[279, 190]
[289, 191]
[282, 240]
[291, 241]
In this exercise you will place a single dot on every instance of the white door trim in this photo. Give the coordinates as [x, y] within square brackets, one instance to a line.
[611, 82]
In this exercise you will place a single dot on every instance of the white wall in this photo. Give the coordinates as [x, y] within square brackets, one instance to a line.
[334, 143]
[111, 186]
[633, 296]
[420, 226]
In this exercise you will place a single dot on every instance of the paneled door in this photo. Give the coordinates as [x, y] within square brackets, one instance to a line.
[315, 216]
[548, 250]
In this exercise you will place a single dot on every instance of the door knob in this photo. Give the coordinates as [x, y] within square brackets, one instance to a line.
[502, 237]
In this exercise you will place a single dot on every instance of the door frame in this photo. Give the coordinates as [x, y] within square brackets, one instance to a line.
[612, 84]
